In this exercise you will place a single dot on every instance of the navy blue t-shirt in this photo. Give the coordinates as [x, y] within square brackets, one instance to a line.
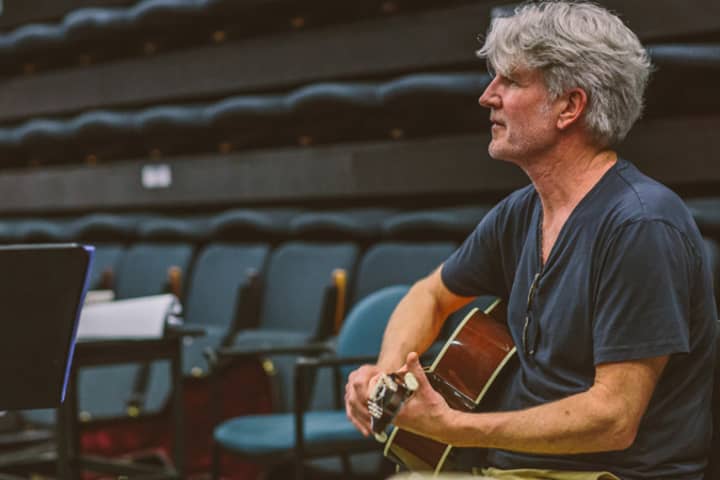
[626, 279]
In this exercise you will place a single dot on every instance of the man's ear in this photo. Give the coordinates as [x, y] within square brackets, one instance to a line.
[574, 103]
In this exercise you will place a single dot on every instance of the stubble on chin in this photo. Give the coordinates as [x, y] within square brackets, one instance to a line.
[491, 151]
[494, 152]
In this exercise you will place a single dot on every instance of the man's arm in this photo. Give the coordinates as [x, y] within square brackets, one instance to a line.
[417, 320]
[412, 327]
[603, 418]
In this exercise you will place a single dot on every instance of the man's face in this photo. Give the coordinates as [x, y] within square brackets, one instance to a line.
[522, 117]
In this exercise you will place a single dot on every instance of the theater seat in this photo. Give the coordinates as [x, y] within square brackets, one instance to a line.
[417, 243]
[101, 135]
[435, 224]
[397, 263]
[109, 234]
[669, 93]
[7, 233]
[297, 304]
[252, 120]
[163, 244]
[333, 112]
[359, 225]
[42, 231]
[42, 141]
[433, 103]
[172, 130]
[223, 287]
[326, 431]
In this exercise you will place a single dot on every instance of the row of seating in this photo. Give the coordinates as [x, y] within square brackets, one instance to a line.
[272, 226]
[410, 106]
[111, 32]
[294, 273]
[315, 113]
[248, 224]
[134, 255]
[245, 290]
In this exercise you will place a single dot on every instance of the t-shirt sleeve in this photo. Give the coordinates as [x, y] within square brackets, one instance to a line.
[642, 306]
[475, 268]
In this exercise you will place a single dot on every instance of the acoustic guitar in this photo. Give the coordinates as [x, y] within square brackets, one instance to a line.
[468, 364]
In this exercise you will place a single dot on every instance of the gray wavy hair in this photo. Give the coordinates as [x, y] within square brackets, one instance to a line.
[576, 45]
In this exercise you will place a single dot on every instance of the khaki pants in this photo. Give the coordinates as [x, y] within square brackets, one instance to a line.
[520, 474]
[532, 474]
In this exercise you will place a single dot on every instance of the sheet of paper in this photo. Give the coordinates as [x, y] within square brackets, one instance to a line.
[99, 296]
[135, 318]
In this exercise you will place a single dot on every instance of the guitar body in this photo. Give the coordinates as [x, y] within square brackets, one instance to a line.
[462, 373]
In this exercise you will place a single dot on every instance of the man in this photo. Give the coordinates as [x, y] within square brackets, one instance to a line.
[609, 295]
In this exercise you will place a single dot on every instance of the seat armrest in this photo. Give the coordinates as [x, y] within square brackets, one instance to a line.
[247, 305]
[313, 363]
[303, 367]
[181, 330]
[217, 356]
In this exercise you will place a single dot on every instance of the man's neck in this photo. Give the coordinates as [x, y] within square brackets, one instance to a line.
[563, 177]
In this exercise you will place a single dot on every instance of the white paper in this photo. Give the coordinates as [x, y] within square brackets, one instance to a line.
[135, 318]
[99, 296]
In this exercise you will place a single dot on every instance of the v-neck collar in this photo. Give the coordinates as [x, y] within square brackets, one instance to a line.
[541, 266]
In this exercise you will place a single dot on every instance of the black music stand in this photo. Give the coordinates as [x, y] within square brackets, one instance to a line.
[42, 288]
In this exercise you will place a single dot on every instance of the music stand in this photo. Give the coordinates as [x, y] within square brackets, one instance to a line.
[42, 288]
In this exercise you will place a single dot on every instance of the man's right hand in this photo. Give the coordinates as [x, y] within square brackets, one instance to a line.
[356, 396]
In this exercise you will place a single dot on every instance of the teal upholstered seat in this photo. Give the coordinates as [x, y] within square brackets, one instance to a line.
[393, 263]
[297, 292]
[356, 224]
[110, 235]
[437, 224]
[104, 392]
[218, 290]
[275, 434]
[41, 231]
[325, 432]
[218, 276]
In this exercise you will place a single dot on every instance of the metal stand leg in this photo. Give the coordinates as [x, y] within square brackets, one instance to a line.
[178, 408]
[68, 441]
[62, 440]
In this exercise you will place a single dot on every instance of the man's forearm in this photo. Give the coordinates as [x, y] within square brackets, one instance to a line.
[413, 327]
[605, 417]
[577, 424]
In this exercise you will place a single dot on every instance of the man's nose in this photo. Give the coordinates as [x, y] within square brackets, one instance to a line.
[490, 97]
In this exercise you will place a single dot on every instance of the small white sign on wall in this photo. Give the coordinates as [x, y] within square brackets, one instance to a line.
[156, 176]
